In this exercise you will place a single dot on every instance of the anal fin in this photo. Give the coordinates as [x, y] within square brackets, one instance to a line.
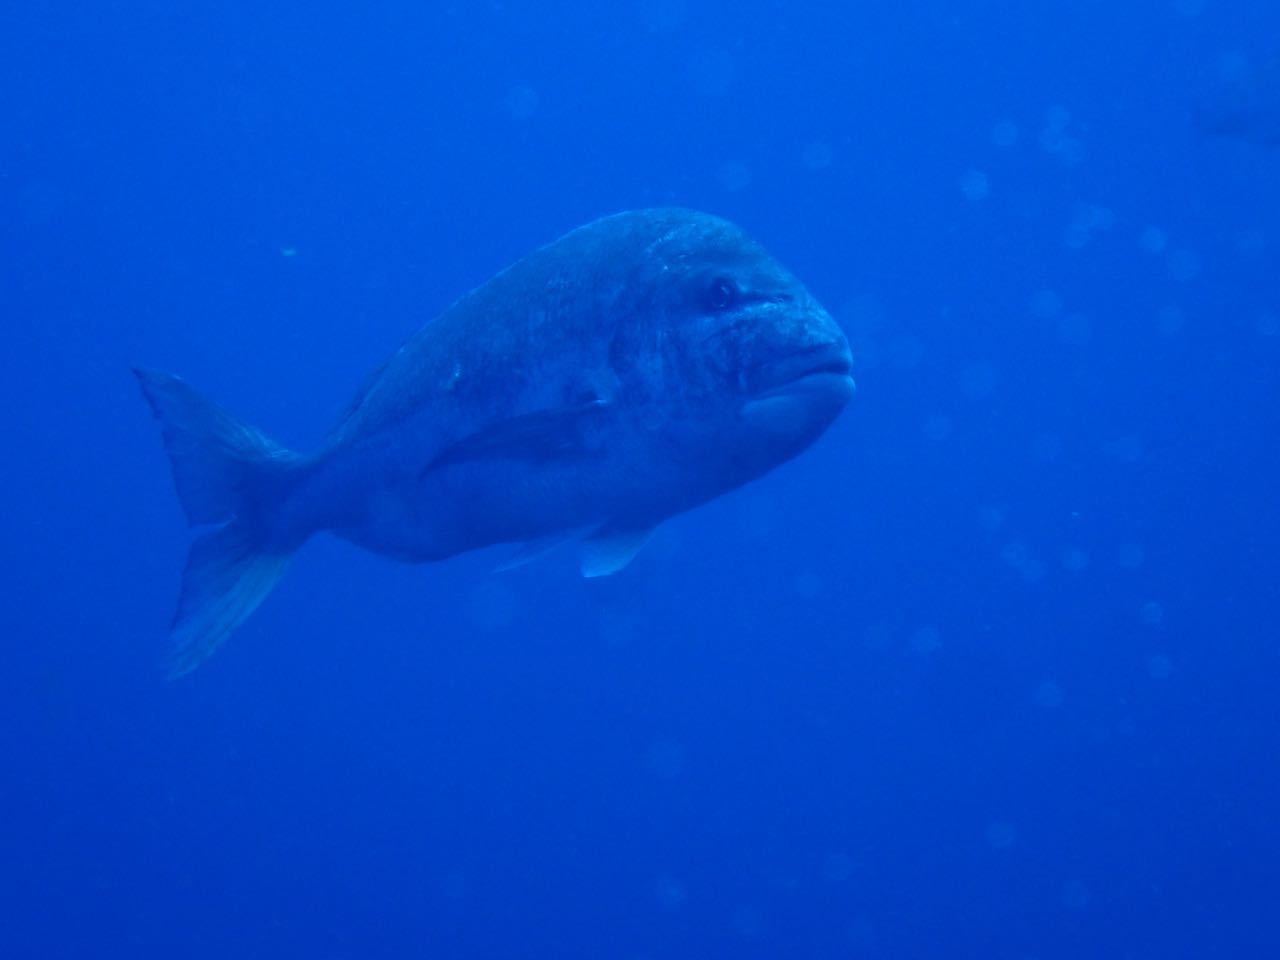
[609, 550]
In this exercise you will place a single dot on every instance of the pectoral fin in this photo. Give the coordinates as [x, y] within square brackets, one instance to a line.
[535, 549]
[541, 435]
[610, 550]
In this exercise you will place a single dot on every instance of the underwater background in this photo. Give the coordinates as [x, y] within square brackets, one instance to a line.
[989, 672]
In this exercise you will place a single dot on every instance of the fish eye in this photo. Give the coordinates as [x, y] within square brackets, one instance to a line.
[722, 293]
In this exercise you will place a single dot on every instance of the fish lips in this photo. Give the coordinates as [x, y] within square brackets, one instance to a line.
[800, 392]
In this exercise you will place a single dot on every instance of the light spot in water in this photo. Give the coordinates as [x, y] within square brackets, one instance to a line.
[838, 867]
[1049, 695]
[906, 352]
[1047, 447]
[665, 759]
[1251, 243]
[1046, 305]
[491, 605]
[991, 519]
[1075, 895]
[1004, 133]
[618, 627]
[974, 185]
[734, 177]
[712, 72]
[746, 923]
[1057, 141]
[1153, 240]
[926, 640]
[1127, 449]
[1075, 330]
[656, 15]
[1074, 559]
[670, 892]
[1001, 834]
[1087, 220]
[937, 427]
[1152, 614]
[1017, 556]
[807, 585]
[877, 636]
[1130, 556]
[978, 380]
[1159, 667]
[1170, 319]
[817, 154]
[1269, 325]
[1184, 265]
[522, 101]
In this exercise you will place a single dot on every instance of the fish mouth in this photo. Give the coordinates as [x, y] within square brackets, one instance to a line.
[823, 367]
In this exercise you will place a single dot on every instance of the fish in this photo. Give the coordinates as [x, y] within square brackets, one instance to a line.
[637, 367]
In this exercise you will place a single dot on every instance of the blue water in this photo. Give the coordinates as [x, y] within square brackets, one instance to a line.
[989, 672]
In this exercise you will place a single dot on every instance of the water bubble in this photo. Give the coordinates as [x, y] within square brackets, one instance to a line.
[1046, 305]
[522, 101]
[1170, 319]
[1251, 243]
[1152, 614]
[1075, 330]
[1153, 240]
[1001, 834]
[1127, 449]
[978, 380]
[1075, 895]
[926, 640]
[746, 923]
[491, 605]
[1074, 559]
[1049, 695]
[670, 892]
[1159, 667]
[838, 867]
[974, 185]
[807, 585]
[906, 352]
[991, 519]
[877, 636]
[1085, 221]
[1130, 556]
[817, 155]
[937, 427]
[618, 627]
[734, 177]
[862, 936]
[1056, 141]
[1047, 447]
[656, 15]
[665, 759]
[1184, 265]
[713, 72]
[1004, 133]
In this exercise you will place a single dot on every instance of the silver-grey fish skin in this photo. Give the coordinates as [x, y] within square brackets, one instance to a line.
[631, 370]
[635, 368]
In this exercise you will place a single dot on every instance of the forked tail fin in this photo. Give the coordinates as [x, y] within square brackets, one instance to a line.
[229, 474]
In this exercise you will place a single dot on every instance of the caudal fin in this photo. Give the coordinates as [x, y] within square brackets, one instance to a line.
[229, 474]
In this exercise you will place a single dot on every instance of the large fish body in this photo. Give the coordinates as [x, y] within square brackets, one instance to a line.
[640, 365]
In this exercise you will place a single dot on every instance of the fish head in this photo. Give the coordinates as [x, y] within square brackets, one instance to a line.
[749, 367]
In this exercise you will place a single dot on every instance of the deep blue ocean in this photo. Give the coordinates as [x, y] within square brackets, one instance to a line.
[988, 672]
